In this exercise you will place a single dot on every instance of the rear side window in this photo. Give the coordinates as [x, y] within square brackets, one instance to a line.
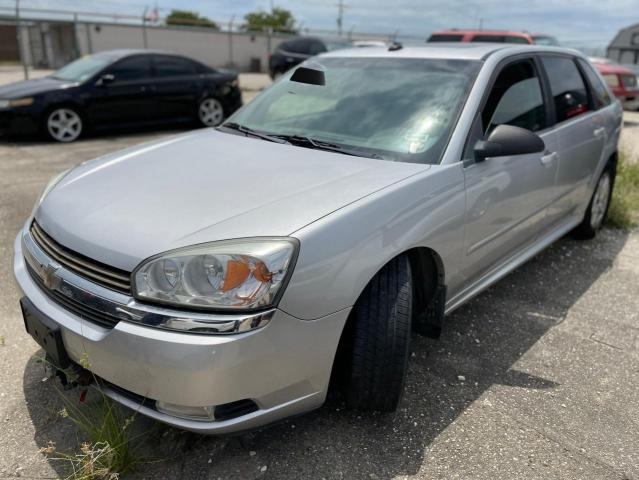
[167, 66]
[600, 94]
[567, 86]
[446, 38]
[132, 68]
[515, 99]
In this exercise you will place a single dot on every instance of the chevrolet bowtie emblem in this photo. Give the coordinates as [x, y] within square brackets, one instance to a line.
[49, 277]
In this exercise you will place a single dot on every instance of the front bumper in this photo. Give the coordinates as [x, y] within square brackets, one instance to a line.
[18, 121]
[284, 368]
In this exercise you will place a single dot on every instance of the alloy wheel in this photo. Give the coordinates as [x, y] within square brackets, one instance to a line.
[211, 112]
[64, 125]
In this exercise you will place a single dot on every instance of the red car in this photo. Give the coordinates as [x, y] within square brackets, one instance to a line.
[622, 81]
[492, 36]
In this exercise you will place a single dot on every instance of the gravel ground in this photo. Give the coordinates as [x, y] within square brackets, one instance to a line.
[535, 378]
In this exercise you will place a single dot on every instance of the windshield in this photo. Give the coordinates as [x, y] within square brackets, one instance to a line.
[83, 68]
[545, 40]
[400, 109]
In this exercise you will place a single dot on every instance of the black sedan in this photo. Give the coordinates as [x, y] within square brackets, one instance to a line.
[295, 51]
[118, 89]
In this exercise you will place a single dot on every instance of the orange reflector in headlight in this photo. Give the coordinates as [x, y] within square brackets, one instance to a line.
[236, 274]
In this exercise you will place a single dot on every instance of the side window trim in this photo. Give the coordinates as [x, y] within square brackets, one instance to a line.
[551, 114]
[503, 64]
[592, 105]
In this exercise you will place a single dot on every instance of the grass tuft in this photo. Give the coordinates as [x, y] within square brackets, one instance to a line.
[624, 208]
[108, 445]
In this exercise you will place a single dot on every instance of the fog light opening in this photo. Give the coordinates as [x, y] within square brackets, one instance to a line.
[226, 411]
[186, 412]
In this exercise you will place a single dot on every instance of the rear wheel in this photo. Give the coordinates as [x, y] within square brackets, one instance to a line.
[64, 124]
[598, 207]
[381, 337]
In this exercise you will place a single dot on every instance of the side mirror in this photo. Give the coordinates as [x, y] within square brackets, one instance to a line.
[507, 140]
[105, 79]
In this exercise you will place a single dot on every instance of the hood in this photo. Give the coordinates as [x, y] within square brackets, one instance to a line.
[28, 88]
[202, 187]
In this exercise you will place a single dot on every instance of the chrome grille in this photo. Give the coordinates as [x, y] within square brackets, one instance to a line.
[77, 308]
[96, 272]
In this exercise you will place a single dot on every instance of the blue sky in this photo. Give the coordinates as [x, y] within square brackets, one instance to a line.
[582, 23]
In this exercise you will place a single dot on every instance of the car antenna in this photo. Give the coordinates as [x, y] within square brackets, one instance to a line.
[395, 46]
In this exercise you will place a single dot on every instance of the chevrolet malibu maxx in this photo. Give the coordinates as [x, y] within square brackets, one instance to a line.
[223, 279]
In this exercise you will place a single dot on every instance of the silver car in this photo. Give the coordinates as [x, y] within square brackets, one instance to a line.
[223, 279]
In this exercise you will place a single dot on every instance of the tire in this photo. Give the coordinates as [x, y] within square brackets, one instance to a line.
[381, 338]
[210, 112]
[598, 207]
[63, 124]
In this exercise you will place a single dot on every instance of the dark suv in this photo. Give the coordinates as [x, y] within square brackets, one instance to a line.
[295, 51]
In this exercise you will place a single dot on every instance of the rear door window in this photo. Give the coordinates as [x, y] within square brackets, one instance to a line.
[600, 95]
[168, 66]
[567, 87]
[515, 99]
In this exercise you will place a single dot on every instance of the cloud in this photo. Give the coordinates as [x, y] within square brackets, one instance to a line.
[590, 23]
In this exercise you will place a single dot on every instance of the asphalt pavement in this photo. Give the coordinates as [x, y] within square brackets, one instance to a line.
[535, 378]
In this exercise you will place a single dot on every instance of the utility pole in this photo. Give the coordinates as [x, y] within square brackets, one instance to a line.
[19, 39]
[145, 40]
[340, 15]
[481, 23]
[231, 41]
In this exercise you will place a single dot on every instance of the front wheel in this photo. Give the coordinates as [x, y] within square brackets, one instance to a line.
[64, 124]
[598, 207]
[381, 337]
[210, 112]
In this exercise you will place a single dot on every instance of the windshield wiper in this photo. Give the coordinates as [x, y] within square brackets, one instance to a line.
[303, 141]
[254, 133]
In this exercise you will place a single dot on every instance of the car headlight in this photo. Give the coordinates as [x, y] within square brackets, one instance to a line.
[239, 274]
[20, 102]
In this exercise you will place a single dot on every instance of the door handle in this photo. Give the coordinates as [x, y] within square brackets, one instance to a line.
[599, 132]
[143, 88]
[548, 158]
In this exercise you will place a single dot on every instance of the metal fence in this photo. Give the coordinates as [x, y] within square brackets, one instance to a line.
[50, 38]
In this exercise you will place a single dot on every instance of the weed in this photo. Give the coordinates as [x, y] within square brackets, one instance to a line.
[109, 447]
[624, 208]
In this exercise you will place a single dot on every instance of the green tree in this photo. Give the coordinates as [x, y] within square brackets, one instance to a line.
[185, 17]
[279, 19]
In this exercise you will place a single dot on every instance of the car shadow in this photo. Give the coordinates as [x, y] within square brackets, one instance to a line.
[480, 346]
